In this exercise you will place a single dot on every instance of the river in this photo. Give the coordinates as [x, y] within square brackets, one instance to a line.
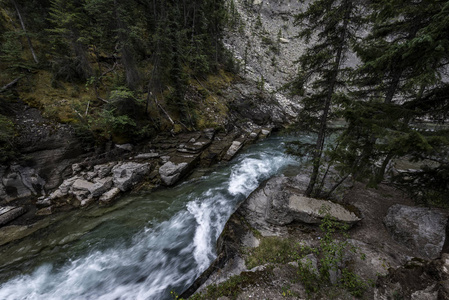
[144, 246]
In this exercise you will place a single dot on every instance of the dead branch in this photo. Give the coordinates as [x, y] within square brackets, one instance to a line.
[9, 85]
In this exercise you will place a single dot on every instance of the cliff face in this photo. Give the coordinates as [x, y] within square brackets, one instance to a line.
[262, 39]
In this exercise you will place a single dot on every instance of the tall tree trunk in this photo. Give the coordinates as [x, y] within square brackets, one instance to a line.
[319, 146]
[22, 23]
[132, 75]
[392, 88]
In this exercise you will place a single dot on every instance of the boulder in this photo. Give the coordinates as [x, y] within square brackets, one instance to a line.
[171, 172]
[104, 170]
[19, 182]
[128, 174]
[310, 210]
[422, 230]
[95, 189]
[233, 149]
[253, 135]
[31, 180]
[107, 197]
[87, 201]
[14, 187]
[265, 132]
[277, 203]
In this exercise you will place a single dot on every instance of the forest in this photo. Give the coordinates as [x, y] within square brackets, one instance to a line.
[110, 60]
[127, 66]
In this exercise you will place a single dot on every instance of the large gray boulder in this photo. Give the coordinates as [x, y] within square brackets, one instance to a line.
[104, 170]
[19, 182]
[128, 174]
[171, 172]
[278, 203]
[94, 189]
[310, 210]
[422, 230]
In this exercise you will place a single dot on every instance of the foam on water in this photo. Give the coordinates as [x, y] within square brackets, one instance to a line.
[157, 260]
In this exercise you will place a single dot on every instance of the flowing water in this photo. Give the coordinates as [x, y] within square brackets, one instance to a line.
[143, 247]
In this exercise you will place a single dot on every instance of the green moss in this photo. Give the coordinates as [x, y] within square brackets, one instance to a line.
[232, 287]
[273, 250]
[62, 102]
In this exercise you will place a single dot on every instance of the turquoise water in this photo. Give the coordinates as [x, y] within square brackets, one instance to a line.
[144, 246]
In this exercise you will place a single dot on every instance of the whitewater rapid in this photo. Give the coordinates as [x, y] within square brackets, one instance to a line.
[161, 257]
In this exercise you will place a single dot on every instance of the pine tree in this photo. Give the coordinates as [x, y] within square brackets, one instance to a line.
[69, 48]
[328, 27]
[402, 61]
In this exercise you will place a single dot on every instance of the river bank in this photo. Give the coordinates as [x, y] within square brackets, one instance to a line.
[143, 245]
[396, 249]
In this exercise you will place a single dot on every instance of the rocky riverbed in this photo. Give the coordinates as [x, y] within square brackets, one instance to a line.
[394, 249]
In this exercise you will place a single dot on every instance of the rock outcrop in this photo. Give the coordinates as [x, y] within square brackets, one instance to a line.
[416, 280]
[421, 229]
[165, 160]
[371, 253]
[276, 203]
[128, 174]
[171, 172]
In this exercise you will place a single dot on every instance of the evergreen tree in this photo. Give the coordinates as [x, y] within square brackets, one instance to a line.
[70, 49]
[330, 26]
[402, 61]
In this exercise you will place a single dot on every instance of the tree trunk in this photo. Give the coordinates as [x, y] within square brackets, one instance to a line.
[393, 86]
[22, 23]
[132, 75]
[318, 152]
[381, 172]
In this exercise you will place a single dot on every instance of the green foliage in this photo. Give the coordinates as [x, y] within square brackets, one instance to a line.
[321, 68]
[354, 283]
[11, 53]
[7, 133]
[330, 255]
[428, 186]
[398, 82]
[273, 250]
[155, 47]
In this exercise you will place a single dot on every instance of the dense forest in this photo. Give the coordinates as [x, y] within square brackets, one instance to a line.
[114, 62]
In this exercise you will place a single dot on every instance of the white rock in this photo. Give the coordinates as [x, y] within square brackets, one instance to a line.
[147, 155]
[171, 172]
[128, 174]
[233, 149]
[109, 195]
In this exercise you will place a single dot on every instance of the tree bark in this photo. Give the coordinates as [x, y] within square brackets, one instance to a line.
[319, 146]
[22, 23]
